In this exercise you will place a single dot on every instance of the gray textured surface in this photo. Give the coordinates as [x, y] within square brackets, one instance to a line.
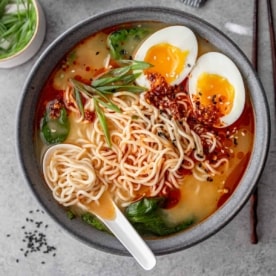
[229, 252]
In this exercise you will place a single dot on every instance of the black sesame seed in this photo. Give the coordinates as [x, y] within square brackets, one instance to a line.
[33, 239]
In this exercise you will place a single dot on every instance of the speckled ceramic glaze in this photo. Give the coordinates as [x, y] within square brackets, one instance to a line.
[25, 129]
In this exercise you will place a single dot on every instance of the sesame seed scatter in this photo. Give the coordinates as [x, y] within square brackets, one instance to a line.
[34, 237]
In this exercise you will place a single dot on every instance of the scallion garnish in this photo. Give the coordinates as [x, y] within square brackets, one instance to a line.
[78, 101]
[114, 80]
[102, 120]
[17, 25]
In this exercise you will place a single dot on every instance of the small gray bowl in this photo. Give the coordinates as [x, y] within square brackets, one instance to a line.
[26, 117]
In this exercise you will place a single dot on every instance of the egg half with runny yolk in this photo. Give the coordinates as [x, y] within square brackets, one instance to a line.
[216, 82]
[172, 52]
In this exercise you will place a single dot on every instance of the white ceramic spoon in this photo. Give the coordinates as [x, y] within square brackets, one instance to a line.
[119, 226]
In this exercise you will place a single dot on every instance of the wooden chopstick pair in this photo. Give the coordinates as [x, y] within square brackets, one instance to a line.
[272, 44]
[254, 196]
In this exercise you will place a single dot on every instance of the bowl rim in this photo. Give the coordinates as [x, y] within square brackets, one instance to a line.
[213, 223]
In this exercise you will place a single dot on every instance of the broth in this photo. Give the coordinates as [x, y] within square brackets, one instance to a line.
[195, 199]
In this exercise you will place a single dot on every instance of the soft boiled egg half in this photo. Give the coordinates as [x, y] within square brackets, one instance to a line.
[172, 52]
[216, 82]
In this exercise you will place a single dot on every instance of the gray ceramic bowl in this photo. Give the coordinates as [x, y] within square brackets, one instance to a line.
[46, 63]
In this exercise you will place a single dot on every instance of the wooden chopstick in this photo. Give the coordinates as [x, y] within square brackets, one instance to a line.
[254, 196]
[273, 45]
[255, 35]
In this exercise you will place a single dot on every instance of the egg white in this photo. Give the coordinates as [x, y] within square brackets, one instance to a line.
[219, 64]
[177, 36]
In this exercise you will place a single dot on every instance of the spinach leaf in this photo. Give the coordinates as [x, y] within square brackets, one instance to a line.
[147, 217]
[94, 221]
[54, 127]
[124, 41]
[70, 215]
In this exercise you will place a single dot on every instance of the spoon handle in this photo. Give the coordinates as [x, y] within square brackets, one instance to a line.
[128, 236]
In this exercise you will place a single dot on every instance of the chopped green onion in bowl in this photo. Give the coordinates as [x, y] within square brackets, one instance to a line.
[22, 31]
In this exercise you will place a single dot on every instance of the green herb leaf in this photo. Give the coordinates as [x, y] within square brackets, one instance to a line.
[79, 101]
[55, 128]
[114, 80]
[117, 88]
[102, 120]
[130, 78]
[136, 64]
[110, 105]
[95, 222]
[70, 215]
[123, 74]
[113, 73]
[3, 4]
[118, 72]
[84, 88]
[103, 81]
[122, 42]
[147, 217]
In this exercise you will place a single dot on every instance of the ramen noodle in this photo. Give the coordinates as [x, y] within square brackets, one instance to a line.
[137, 133]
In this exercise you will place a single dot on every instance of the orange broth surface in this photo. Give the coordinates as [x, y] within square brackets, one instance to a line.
[195, 198]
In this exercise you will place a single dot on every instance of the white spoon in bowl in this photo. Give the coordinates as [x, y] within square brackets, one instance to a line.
[116, 222]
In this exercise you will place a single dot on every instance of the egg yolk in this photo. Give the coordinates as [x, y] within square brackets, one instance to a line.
[167, 60]
[215, 90]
